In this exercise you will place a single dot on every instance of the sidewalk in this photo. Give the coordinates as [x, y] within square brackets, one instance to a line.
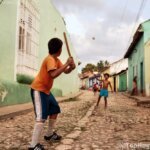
[139, 99]
[20, 109]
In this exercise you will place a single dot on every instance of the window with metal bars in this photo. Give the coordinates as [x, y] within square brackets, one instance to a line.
[28, 39]
[21, 39]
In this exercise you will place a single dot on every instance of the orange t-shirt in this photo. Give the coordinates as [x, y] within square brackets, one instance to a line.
[43, 81]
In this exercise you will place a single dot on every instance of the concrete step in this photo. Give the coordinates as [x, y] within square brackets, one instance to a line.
[139, 99]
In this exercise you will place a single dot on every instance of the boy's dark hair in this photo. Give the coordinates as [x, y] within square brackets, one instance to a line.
[54, 45]
[106, 74]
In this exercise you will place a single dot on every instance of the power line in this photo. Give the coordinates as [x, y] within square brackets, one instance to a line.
[124, 11]
[141, 8]
[142, 5]
[121, 19]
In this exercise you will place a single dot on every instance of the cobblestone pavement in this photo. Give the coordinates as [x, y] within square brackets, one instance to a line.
[122, 126]
[15, 133]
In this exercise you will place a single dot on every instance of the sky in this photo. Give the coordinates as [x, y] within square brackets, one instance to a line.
[102, 29]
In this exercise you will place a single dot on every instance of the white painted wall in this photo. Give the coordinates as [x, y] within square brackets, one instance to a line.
[118, 66]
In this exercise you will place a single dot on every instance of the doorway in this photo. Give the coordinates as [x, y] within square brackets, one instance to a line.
[114, 84]
[141, 77]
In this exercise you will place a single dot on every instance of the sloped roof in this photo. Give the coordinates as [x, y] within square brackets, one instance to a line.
[118, 66]
[122, 71]
[138, 34]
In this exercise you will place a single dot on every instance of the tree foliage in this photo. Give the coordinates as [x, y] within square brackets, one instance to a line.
[89, 67]
[98, 67]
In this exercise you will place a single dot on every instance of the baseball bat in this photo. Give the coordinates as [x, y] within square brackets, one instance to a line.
[68, 49]
[67, 45]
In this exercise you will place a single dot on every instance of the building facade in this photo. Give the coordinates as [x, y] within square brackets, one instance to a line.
[138, 59]
[26, 27]
[123, 83]
[28, 37]
[93, 79]
[118, 73]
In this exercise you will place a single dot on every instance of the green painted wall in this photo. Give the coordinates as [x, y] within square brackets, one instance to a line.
[8, 20]
[52, 25]
[123, 82]
[135, 60]
[146, 27]
[13, 93]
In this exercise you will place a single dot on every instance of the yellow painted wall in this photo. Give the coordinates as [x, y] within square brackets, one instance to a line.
[117, 82]
[147, 68]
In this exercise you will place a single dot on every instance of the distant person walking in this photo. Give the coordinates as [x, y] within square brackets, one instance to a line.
[134, 89]
[95, 88]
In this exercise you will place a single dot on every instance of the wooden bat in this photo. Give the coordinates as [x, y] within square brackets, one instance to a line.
[67, 45]
[68, 49]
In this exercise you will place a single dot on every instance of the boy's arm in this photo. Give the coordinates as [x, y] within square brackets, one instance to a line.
[70, 68]
[110, 86]
[99, 79]
[55, 73]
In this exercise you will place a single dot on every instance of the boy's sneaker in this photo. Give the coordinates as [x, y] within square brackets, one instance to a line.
[54, 137]
[37, 147]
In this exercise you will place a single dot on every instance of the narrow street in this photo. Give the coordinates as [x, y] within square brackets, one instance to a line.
[16, 133]
[73, 49]
[122, 126]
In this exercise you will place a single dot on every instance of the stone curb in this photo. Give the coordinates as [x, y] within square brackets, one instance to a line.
[29, 108]
[66, 143]
[17, 113]
[132, 97]
[138, 100]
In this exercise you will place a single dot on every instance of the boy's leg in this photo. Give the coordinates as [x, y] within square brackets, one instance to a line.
[105, 98]
[54, 110]
[99, 98]
[39, 108]
[38, 128]
[51, 124]
[98, 101]
[94, 92]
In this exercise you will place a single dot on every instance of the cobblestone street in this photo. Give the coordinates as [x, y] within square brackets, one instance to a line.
[122, 126]
[15, 133]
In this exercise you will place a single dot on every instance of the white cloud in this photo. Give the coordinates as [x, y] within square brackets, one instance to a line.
[74, 25]
[100, 19]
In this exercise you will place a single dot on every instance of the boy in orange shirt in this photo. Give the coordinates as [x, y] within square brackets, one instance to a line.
[45, 104]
